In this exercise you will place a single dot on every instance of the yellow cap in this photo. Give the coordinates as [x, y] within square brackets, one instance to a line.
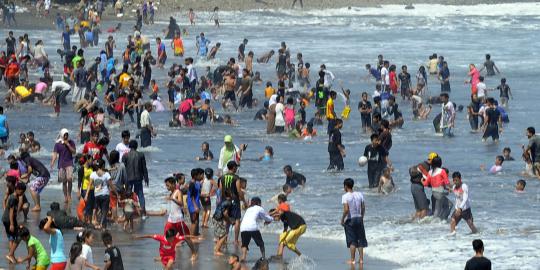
[432, 155]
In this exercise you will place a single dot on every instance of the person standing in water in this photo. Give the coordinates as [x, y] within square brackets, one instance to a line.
[489, 66]
[336, 148]
[478, 262]
[352, 220]
[462, 205]
[229, 152]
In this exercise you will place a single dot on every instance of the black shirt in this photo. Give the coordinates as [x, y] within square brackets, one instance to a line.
[302, 113]
[291, 220]
[478, 263]
[113, 255]
[295, 179]
[335, 141]
[386, 140]
[503, 89]
[493, 116]
[405, 79]
[366, 105]
[375, 155]
[241, 49]
[10, 45]
[260, 113]
[228, 182]
[395, 111]
[208, 154]
[12, 203]
[38, 169]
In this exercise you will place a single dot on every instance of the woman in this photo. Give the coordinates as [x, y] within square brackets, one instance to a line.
[101, 180]
[393, 79]
[56, 242]
[437, 178]
[40, 56]
[117, 171]
[280, 120]
[421, 81]
[475, 78]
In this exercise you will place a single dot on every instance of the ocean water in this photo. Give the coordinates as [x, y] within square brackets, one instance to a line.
[345, 40]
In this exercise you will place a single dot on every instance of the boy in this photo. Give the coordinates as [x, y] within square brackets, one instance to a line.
[35, 250]
[9, 218]
[221, 221]
[497, 168]
[364, 106]
[377, 158]
[336, 149]
[113, 257]
[167, 247]
[286, 190]
[293, 179]
[520, 186]
[249, 228]
[175, 220]
[462, 205]
[506, 154]
[289, 237]
[478, 261]
[505, 92]
[193, 199]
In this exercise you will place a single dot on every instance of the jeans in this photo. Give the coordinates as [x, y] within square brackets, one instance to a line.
[102, 203]
[137, 187]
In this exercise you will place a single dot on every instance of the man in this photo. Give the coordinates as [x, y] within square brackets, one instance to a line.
[533, 149]
[136, 172]
[293, 179]
[246, 90]
[405, 83]
[161, 53]
[385, 136]
[241, 49]
[294, 226]
[336, 148]
[377, 160]
[193, 199]
[421, 203]
[385, 76]
[123, 146]
[504, 92]
[321, 95]
[36, 168]
[202, 45]
[490, 66]
[444, 77]
[230, 182]
[110, 45]
[365, 109]
[147, 129]
[478, 262]
[492, 122]
[249, 228]
[92, 147]
[448, 115]
[191, 74]
[352, 220]
[373, 72]
[462, 205]
[330, 111]
[394, 111]
[328, 77]
[80, 78]
[66, 39]
[61, 90]
[64, 149]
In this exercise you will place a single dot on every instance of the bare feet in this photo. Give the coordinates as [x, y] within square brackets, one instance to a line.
[218, 253]
[11, 259]
[352, 262]
[36, 209]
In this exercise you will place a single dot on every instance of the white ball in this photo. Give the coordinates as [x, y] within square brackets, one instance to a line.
[362, 161]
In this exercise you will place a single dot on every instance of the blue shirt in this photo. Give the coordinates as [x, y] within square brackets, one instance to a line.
[194, 191]
[56, 242]
[3, 129]
[375, 73]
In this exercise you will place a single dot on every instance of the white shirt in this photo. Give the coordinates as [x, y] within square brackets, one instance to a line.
[354, 200]
[385, 76]
[252, 215]
[481, 88]
[158, 106]
[175, 211]
[60, 84]
[101, 183]
[145, 119]
[192, 73]
[447, 116]
[122, 149]
[87, 254]
[462, 197]
[273, 100]
[328, 78]
[280, 121]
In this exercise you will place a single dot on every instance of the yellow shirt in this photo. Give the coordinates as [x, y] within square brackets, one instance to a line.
[86, 179]
[432, 66]
[269, 91]
[330, 109]
[123, 80]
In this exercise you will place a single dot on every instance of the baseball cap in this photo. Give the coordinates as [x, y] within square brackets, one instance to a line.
[228, 138]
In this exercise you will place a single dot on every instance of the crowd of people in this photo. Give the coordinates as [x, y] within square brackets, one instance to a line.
[110, 181]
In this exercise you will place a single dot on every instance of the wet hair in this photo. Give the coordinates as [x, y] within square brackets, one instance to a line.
[521, 182]
[503, 80]
[444, 95]
[74, 252]
[348, 183]
[456, 174]
[256, 201]
[488, 56]
[106, 237]
[478, 245]
[206, 144]
[55, 206]
[531, 130]
[125, 134]
[14, 165]
[196, 171]
[507, 149]
[333, 94]
[133, 144]
[24, 232]
[285, 187]
[287, 168]
[114, 157]
[481, 78]
[500, 158]
[231, 165]
[209, 173]
[373, 137]
[170, 180]
[270, 150]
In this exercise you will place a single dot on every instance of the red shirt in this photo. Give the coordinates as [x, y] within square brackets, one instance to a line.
[393, 84]
[92, 149]
[121, 102]
[437, 179]
[12, 70]
[166, 248]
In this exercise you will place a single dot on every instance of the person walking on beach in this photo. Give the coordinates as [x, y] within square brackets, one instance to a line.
[336, 148]
[249, 229]
[64, 149]
[478, 262]
[136, 172]
[352, 220]
[35, 167]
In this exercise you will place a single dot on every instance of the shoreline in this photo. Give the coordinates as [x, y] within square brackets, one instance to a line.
[139, 254]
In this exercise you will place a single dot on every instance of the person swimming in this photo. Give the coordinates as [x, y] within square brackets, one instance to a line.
[268, 154]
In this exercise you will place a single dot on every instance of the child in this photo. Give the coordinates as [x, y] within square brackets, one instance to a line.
[86, 238]
[14, 171]
[520, 186]
[175, 220]
[506, 154]
[269, 90]
[497, 168]
[268, 154]
[208, 189]
[207, 154]
[234, 262]
[113, 257]
[193, 199]
[35, 250]
[249, 229]
[167, 247]
[386, 182]
[130, 206]
[154, 87]
[309, 132]
[286, 189]
[283, 205]
[462, 205]
[221, 221]
[9, 218]
[289, 114]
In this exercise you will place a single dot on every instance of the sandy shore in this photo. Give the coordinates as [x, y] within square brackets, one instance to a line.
[139, 254]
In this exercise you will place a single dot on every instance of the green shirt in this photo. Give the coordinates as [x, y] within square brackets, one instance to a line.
[42, 258]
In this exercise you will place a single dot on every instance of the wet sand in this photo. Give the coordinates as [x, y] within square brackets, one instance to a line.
[139, 254]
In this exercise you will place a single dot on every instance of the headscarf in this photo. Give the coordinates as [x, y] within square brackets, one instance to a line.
[60, 137]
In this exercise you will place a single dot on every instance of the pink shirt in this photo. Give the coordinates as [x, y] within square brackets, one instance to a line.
[40, 88]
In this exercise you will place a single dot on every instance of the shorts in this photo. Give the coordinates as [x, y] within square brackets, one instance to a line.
[206, 203]
[289, 238]
[129, 215]
[58, 266]
[247, 236]
[39, 184]
[491, 131]
[65, 174]
[162, 60]
[4, 139]
[40, 267]
[12, 236]
[465, 214]
[366, 119]
[181, 228]
[355, 233]
[165, 259]
[229, 95]
[220, 228]
[236, 213]
[419, 197]
[194, 217]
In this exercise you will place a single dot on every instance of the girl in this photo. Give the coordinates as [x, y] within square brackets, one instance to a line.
[86, 238]
[76, 262]
[101, 180]
[130, 207]
[386, 182]
[87, 189]
[289, 114]
[35, 250]
[56, 242]
[393, 79]
[268, 154]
